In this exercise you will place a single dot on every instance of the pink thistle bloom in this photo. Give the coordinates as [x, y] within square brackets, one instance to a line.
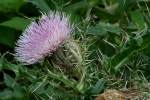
[43, 38]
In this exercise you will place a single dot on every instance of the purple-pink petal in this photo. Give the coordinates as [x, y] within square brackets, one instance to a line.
[43, 38]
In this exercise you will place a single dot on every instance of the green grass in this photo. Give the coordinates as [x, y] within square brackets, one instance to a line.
[111, 50]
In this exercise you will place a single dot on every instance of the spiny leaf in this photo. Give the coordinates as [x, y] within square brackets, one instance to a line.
[10, 5]
[98, 87]
[9, 81]
[41, 4]
[102, 29]
[7, 36]
[118, 60]
[17, 23]
[138, 19]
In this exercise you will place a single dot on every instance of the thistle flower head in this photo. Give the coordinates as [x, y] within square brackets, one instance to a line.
[42, 38]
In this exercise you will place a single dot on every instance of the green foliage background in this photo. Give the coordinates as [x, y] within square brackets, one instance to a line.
[116, 34]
